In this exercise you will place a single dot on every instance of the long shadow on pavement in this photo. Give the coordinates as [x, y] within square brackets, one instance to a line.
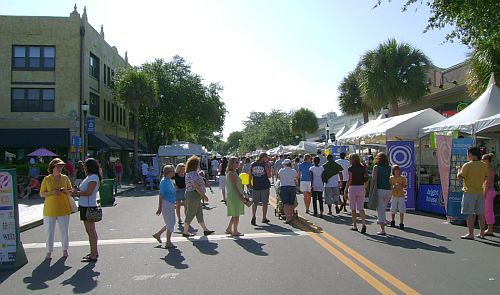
[44, 272]
[175, 259]
[402, 242]
[251, 246]
[342, 219]
[83, 280]
[273, 228]
[426, 234]
[205, 246]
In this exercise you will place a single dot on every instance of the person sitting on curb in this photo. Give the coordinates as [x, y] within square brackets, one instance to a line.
[32, 188]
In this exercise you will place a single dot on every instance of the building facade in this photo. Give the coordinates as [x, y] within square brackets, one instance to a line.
[51, 66]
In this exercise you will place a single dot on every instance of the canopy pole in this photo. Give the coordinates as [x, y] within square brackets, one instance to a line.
[473, 136]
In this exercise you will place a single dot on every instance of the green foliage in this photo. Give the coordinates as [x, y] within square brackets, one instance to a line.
[350, 99]
[393, 72]
[483, 62]
[266, 130]
[187, 110]
[476, 23]
[304, 121]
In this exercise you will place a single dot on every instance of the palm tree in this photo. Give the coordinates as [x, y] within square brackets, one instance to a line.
[304, 121]
[135, 89]
[393, 72]
[350, 100]
[483, 62]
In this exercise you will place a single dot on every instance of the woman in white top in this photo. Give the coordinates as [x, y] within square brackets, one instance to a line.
[288, 188]
[87, 193]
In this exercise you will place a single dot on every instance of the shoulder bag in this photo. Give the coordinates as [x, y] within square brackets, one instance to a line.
[373, 198]
[72, 204]
[94, 214]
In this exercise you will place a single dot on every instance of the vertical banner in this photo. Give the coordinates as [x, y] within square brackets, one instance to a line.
[459, 148]
[336, 150]
[443, 156]
[12, 253]
[402, 153]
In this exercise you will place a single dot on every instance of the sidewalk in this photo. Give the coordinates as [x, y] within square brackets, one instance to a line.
[31, 210]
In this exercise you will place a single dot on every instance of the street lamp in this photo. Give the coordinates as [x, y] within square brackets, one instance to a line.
[327, 131]
[85, 109]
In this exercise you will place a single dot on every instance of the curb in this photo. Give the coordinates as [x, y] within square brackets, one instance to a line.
[38, 222]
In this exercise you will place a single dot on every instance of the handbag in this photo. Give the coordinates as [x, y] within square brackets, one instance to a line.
[94, 214]
[72, 204]
[373, 198]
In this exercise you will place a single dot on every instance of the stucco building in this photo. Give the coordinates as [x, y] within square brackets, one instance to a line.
[51, 66]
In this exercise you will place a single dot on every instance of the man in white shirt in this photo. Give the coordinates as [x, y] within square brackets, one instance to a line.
[144, 172]
[345, 175]
[214, 166]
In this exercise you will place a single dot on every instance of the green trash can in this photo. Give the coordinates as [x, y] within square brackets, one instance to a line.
[106, 192]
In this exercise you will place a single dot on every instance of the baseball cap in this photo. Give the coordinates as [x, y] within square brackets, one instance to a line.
[287, 162]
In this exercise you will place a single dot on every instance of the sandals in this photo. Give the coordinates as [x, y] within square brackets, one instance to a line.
[354, 228]
[479, 236]
[157, 237]
[467, 237]
[170, 246]
[89, 259]
[363, 229]
[265, 220]
[188, 235]
[208, 232]
[237, 235]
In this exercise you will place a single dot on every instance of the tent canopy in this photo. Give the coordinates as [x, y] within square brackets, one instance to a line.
[341, 131]
[307, 146]
[41, 153]
[353, 135]
[184, 149]
[402, 127]
[487, 105]
[355, 126]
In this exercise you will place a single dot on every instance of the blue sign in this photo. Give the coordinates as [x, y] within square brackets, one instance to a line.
[402, 153]
[76, 140]
[336, 150]
[430, 199]
[459, 148]
[91, 125]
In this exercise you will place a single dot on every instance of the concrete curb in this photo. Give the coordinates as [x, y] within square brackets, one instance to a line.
[38, 222]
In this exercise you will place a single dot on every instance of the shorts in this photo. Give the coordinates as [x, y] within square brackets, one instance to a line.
[222, 182]
[168, 213]
[473, 204]
[261, 196]
[288, 195]
[332, 195]
[398, 204]
[356, 194]
[305, 186]
[83, 212]
[118, 174]
[180, 194]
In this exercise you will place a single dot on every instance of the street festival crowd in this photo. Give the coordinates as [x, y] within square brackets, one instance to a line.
[247, 182]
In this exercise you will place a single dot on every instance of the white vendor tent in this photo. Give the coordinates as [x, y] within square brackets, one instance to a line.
[487, 105]
[487, 125]
[355, 126]
[307, 147]
[402, 127]
[341, 131]
[184, 149]
[354, 135]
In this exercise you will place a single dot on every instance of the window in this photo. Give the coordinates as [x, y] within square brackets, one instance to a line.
[94, 104]
[113, 113]
[33, 58]
[109, 111]
[109, 76]
[105, 75]
[105, 111]
[94, 66]
[120, 121]
[32, 100]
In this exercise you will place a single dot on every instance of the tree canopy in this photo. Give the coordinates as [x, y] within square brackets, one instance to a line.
[304, 121]
[350, 99]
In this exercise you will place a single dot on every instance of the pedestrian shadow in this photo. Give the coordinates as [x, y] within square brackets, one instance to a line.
[489, 242]
[45, 272]
[205, 246]
[175, 259]
[251, 246]
[345, 220]
[273, 228]
[84, 280]
[426, 234]
[398, 241]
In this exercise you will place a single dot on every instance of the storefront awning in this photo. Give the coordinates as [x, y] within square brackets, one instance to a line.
[100, 141]
[34, 138]
[127, 144]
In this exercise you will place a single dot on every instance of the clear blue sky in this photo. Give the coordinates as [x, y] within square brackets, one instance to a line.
[281, 54]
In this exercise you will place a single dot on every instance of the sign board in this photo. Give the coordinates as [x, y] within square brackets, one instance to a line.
[12, 255]
[336, 150]
[76, 140]
[430, 199]
[402, 153]
[459, 148]
[91, 125]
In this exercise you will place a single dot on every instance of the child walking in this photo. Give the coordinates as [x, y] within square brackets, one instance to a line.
[398, 184]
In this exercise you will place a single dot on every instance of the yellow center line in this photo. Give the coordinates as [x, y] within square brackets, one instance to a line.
[314, 231]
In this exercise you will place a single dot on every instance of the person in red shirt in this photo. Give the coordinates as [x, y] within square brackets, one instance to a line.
[32, 187]
[70, 168]
[118, 172]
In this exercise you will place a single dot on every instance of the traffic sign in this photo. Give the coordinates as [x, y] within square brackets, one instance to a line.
[91, 125]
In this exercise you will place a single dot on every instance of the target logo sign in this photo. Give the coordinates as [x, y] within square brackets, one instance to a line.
[401, 155]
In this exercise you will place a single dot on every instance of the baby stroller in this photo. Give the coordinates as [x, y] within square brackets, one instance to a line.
[278, 211]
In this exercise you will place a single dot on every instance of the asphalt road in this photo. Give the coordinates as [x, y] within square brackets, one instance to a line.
[310, 256]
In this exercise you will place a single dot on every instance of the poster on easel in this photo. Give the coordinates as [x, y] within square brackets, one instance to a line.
[337, 150]
[459, 148]
[12, 255]
[402, 153]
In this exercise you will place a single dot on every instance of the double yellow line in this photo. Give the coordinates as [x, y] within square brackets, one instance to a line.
[328, 242]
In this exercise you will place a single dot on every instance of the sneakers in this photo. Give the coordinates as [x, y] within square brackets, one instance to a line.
[253, 221]
[401, 226]
[393, 223]
[265, 220]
